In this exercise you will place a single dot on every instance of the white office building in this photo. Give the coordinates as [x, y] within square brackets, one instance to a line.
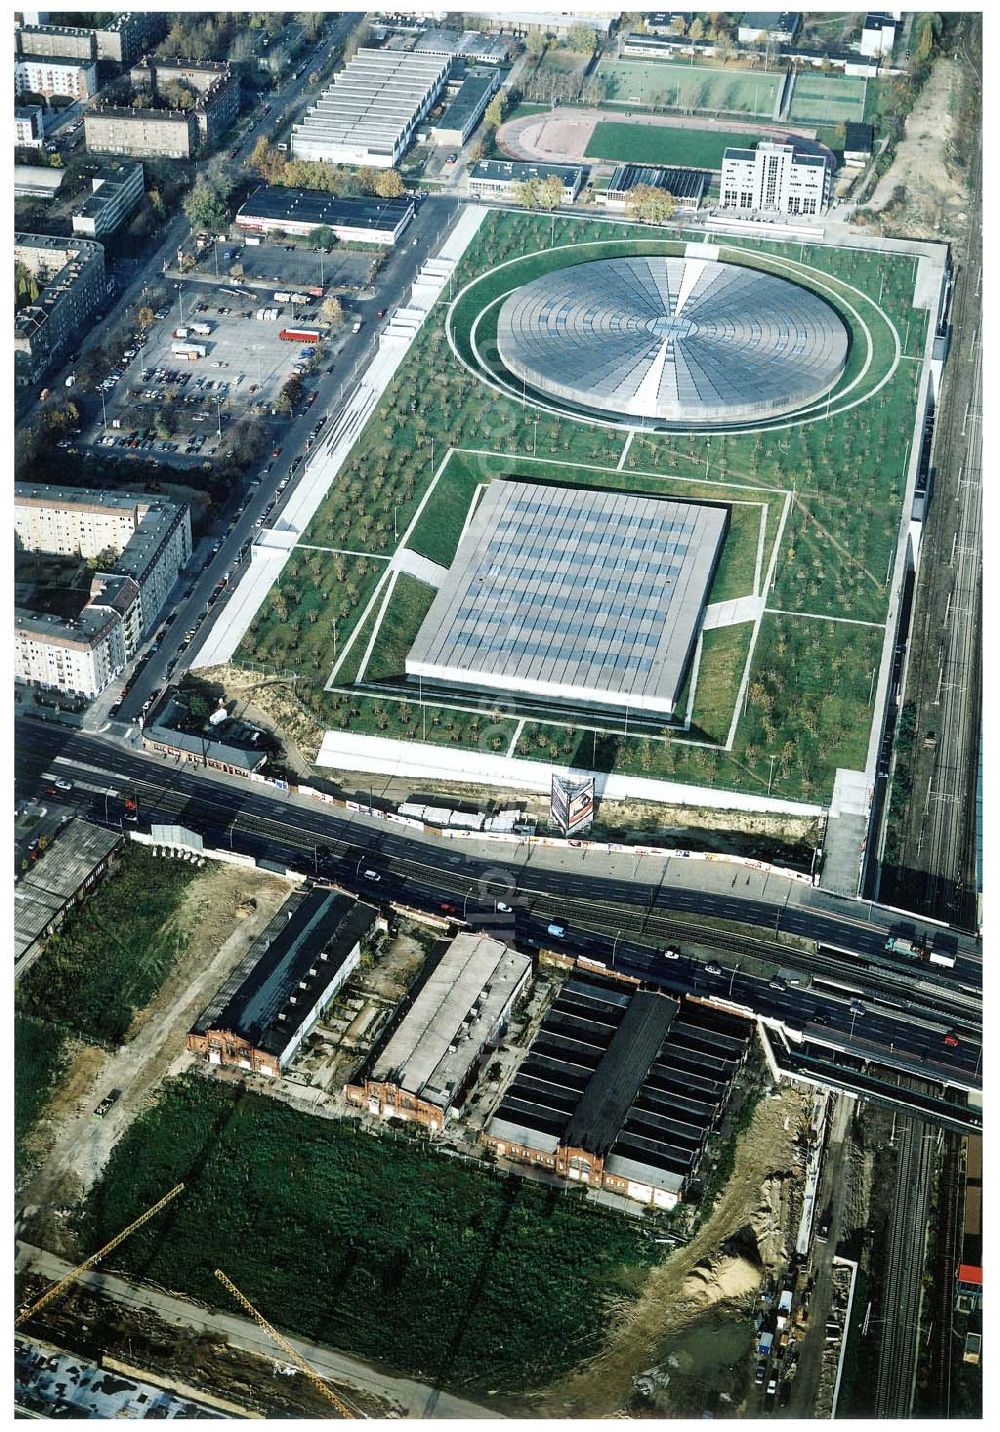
[370, 113]
[878, 34]
[777, 179]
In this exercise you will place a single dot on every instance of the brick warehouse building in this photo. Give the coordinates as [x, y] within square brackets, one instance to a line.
[619, 1089]
[432, 1058]
[259, 1017]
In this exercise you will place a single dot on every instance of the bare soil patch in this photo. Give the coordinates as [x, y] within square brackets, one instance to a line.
[933, 191]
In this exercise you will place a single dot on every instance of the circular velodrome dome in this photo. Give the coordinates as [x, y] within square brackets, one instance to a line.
[677, 340]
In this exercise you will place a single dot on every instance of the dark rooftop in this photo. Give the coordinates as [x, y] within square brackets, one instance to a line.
[681, 183]
[321, 931]
[858, 137]
[313, 206]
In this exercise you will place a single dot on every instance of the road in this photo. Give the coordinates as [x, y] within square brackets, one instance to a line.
[936, 871]
[613, 911]
[417, 1398]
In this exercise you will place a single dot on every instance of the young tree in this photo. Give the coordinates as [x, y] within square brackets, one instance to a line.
[145, 317]
[696, 30]
[332, 311]
[389, 185]
[650, 204]
[581, 38]
[550, 193]
[323, 237]
[494, 112]
[525, 193]
[535, 42]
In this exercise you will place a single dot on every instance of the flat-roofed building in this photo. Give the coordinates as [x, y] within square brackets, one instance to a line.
[467, 108]
[779, 27]
[587, 597]
[141, 133]
[37, 181]
[71, 284]
[259, 1017]
[116, 189]
[499, 178]
[29, 126]
[619, 1089]
[301, 211]
[370, 113]
[63, 874]
[464, 44]
[776, 178]
[70, 41]
[151, 537]
[858, 144]
[686, 186]
[553, 22]
[55, 75]
[878, 34]
[430, 1063]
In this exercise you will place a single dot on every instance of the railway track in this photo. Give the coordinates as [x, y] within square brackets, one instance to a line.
[936, 871]
[904, 1266]
[946, 1260]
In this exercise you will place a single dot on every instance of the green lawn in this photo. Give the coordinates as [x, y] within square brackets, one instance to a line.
[827, 99]
[375, 1245]
[113, 952]
[723, 657]
[665, 144]
[409, 604]
[39, 1057]
[657, 84]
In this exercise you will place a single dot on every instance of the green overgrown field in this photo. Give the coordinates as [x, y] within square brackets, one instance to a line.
[39, 1058]
[665, 144]
[720, 671]
[827, 99]
[112, 953]
[842, 475]
[661, 85]
[374, 1245]
[409, 604]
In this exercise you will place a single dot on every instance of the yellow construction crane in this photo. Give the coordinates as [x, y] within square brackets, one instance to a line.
[318, 1382]
[56, 1288]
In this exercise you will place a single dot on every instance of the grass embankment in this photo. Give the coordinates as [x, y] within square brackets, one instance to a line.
[375, 1245]
[112, 953]
[39, 1059]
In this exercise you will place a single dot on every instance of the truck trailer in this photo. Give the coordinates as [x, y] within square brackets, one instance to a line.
[299, 335]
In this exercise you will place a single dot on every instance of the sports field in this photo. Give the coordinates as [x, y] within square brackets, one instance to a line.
[827, 99]
[656, 85]
[663, 144]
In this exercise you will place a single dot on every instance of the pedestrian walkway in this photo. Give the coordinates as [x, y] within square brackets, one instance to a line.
[422, 568]
[731, 613]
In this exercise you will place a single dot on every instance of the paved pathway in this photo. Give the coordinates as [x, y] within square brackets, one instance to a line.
[406, 560]
[416, 1398]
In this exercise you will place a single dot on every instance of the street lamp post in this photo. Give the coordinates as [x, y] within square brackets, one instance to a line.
[614, 947]
[534, 438]
[732, 978]
[770, 774]
[395, 529]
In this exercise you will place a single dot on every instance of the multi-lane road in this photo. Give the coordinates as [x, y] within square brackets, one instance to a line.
[621, 914]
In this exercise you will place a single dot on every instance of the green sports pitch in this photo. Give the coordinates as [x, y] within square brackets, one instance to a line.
[656, 85]
[827, 99]
[664, 144]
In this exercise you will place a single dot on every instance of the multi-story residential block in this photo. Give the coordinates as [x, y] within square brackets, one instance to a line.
[72, 285]
[72, 41]
[141, 133]
[215, 84]
[115, 191]
[150, 539]
[776, 178]
[29, 127]
[121, 41]
[54, 74]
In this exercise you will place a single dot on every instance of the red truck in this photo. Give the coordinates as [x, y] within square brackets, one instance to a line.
[299, 335]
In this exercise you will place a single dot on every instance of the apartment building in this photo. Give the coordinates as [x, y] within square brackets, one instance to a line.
[141, 133]
[115, 191]
[73, 285]
[776, 178]
[215, 84]
[29, 126]
[120, 42]
[150, 538]
[54, 75]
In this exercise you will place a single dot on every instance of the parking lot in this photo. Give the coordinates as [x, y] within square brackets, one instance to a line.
[243, 368]
[292, 265]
